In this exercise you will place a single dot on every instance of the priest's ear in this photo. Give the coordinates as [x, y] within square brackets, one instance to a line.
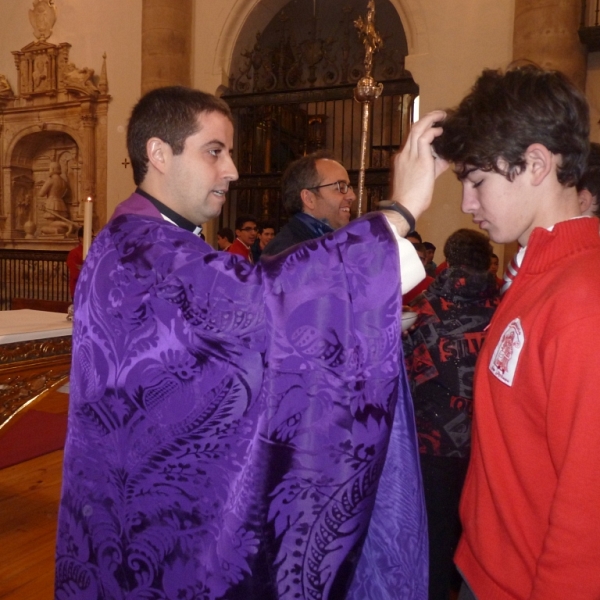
[159, 154]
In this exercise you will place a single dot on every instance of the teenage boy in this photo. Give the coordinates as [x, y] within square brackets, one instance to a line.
[266, 232]
[519, 144]
[245, 236]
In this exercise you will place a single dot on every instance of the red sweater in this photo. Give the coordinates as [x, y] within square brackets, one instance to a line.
[74, 264]
[530, 506]
[238, 247]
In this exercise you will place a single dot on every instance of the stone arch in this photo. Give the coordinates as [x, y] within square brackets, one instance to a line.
[74, 133]
[30, 157]
[248, 17]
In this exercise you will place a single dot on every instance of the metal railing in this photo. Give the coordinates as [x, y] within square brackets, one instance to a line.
[40, 275]
[272, 129]
[590, 13]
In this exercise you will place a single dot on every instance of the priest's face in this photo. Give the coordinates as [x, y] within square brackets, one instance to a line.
[328, 202]
[197, 180]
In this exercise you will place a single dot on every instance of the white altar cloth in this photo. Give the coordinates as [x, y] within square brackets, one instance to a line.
[26, 324]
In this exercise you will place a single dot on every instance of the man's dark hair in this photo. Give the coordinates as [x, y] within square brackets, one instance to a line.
[300, 175]
[468, 248]
[420, 247]
[170, 114]
[265, 225]
[507, 112]
[225, 232]
[429, 246]
[242, 219]
[416, 235]
[590, 180]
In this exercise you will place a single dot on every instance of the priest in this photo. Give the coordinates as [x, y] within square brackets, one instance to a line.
[239, 431]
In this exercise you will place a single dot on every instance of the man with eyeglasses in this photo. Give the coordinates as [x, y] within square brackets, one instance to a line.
[245, 231]
[317, 195]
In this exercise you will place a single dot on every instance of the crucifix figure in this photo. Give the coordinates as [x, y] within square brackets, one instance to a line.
[369, 36]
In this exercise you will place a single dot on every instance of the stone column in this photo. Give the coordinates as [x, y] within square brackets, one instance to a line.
[166, 43]
[546, 33]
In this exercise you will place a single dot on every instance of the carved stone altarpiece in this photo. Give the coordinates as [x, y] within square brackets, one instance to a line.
[53, 132]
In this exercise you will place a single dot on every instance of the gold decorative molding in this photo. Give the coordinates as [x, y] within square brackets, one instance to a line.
[19, 352]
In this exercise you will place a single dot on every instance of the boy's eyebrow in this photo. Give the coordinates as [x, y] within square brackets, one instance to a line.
[467, 172]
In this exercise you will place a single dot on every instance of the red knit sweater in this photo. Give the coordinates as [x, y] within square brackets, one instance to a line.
[238, 247]
[531, 502]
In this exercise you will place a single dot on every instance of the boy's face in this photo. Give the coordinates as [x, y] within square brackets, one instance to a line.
[494, 265]
[501, 207]
[268, 233]
[247, 233]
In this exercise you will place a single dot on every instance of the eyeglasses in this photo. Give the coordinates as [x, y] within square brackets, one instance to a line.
[342, 186]
[249, 229]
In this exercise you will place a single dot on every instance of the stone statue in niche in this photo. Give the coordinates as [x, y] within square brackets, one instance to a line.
[54, 190]
[39, 75]
[24, 201]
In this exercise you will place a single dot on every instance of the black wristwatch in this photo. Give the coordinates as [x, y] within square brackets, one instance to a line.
[391, 205]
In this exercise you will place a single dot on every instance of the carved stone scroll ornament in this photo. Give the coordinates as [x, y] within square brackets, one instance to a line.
[5, 89]
[42, 18]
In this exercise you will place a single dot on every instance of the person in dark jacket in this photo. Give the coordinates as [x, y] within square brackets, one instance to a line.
[440, 361]
[317, 194]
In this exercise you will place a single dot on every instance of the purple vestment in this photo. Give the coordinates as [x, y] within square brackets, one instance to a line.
[229, 423]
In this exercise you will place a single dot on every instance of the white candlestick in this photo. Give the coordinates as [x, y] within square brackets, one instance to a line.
[88, 211]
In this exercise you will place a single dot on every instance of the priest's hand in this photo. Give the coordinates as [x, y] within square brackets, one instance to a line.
[415, 167]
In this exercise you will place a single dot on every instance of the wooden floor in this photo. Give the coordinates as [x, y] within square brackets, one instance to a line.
[29, 497]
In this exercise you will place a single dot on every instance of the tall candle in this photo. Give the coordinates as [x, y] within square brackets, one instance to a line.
[88, 211]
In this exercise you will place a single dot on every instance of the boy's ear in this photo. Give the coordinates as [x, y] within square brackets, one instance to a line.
[541, 162]
[585, 200]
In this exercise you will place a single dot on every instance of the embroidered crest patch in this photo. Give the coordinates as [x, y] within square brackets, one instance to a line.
[506, 355]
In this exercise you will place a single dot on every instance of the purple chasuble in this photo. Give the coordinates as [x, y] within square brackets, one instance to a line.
[229, 423]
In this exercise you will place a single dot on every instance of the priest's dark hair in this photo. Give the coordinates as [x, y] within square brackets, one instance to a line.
[506, 112]
[469, 249]
[301, 175]
[170, 114]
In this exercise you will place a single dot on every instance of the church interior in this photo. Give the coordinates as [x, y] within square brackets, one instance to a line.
[70, 73]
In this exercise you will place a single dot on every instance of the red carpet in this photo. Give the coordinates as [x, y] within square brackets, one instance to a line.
[36, 433]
